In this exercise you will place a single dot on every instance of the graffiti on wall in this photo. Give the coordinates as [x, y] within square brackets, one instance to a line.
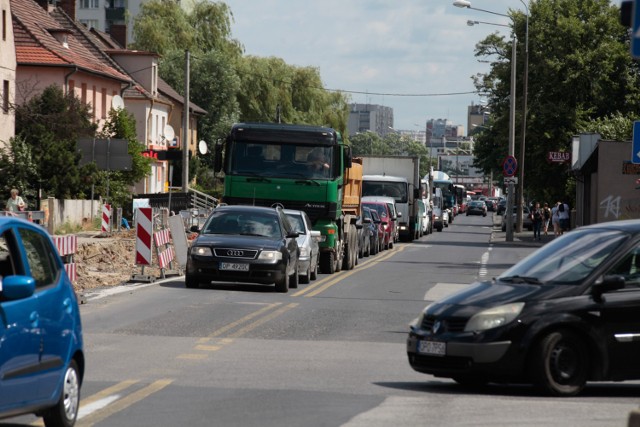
[617, 208]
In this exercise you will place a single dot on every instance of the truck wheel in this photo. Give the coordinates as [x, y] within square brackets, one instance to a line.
[351, 250]
[328, 262]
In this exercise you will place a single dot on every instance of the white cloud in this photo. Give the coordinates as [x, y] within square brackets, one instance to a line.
[378, 46]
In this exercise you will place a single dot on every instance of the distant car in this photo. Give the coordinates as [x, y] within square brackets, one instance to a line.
[501, 207]
[565, 315]
[384, 236]
[526, 220]
[386, 211]
[41, 347]
[371, 233]
[308, 244]
[247, 244]
[477, 207]
[491, 205]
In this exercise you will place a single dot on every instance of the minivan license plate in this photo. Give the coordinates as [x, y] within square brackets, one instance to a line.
[234, 266]
[433, 348]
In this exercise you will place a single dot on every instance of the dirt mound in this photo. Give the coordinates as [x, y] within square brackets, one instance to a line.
[109, 261]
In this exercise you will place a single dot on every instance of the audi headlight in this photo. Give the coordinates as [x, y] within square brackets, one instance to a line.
[494, 317]
[270, 255]
[201, 251]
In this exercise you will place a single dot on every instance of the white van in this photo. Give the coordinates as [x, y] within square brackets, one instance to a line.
[440, 216]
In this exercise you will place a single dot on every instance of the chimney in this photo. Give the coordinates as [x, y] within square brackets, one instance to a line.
[69, 7]
[119, 33]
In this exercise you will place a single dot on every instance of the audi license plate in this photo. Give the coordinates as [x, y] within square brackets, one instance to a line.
[232, 266]
[433, 348]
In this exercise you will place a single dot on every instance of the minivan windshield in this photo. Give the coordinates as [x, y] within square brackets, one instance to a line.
[567, 260]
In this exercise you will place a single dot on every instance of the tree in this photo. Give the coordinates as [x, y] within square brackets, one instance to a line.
[50, 124]
[580, 72]
[18, 170]
[122, 125]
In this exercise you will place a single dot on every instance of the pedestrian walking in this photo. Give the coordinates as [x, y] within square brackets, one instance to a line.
[15, 202]
[546, 218]
[555, 220]
[563, 216]
[537, 216]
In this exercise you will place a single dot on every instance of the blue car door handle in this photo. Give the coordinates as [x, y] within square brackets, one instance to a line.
[33, 318]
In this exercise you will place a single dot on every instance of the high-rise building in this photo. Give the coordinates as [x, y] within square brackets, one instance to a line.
[477, 115]
[370, 117]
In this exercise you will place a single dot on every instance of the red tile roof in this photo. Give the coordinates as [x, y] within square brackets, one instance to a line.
[35, 45]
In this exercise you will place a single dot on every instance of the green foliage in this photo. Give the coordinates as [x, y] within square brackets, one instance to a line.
[117, 184]
[230, 87]
[50, 124]
[18, 170]
[581, 76]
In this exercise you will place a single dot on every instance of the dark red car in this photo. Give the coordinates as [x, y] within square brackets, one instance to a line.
[382, 210]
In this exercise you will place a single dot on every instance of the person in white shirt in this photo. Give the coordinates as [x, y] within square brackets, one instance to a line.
[15, 202]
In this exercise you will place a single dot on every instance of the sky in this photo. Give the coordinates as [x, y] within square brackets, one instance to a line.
[378, 49]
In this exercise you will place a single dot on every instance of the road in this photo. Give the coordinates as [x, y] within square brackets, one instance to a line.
[331, 353]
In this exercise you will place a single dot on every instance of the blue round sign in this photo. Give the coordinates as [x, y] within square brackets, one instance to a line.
[509, 166]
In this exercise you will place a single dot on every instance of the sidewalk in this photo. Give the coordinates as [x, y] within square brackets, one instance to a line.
[522, 239]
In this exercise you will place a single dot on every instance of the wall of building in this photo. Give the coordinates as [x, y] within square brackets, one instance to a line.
[7, 74]
[616, 196]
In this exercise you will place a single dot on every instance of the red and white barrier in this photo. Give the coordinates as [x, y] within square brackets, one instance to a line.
[67, 246]
[106, 218]
[144, 231]
[165, 252]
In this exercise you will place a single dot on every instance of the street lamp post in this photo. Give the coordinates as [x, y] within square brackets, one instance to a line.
[467, 4]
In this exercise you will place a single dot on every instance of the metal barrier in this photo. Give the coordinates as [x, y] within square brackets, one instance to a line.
[32, 216]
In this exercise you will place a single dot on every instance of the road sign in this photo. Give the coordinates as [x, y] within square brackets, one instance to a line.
[635, 150]
[510, 180]
[509, 166]
[635, 34]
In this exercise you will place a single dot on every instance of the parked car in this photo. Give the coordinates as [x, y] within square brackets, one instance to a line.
[247, 244]
[384, 235]
[308, 244]
[502, 206]
[41, 347]
[385, 206]
[526, 220]
[491, 205]
[364, 236]
[565, 315]
[477, 207]
[371, 232]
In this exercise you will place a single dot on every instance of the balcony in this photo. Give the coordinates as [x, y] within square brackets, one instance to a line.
[115, 14]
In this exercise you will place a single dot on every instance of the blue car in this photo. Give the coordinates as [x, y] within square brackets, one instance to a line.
[41, 351]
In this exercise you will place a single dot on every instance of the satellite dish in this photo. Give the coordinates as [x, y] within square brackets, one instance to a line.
[202, 147]
[117, 102]
[169, 133]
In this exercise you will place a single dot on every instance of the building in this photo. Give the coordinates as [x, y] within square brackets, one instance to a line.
[477, 116]
[7, 75]
[370, 117]
[607, 183]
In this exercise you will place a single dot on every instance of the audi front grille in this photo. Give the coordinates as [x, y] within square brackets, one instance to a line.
[235, 253]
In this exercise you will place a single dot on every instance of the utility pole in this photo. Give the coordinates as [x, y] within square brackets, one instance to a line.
[185, 126]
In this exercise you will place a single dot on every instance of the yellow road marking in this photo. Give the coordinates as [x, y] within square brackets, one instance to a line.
[123, 403]
[191, 356]
[262, 320]
[246, 318]
[317, 288]
[207, 347]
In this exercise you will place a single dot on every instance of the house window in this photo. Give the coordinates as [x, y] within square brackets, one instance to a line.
[89, 4]
[83, 94]
[154, 79]
[104, 103]
[94, 94]
[5, 96]
[71, 87]
[4, 25]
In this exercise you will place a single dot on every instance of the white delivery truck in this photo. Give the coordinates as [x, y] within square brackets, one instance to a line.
[397, 177]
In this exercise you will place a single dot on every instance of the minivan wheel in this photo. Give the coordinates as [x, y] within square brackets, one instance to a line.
[64, 413]
[560, 364]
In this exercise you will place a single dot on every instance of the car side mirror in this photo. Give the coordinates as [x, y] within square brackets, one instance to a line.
[17, 287]
[293, 235]
[194, 229]
[608, 283]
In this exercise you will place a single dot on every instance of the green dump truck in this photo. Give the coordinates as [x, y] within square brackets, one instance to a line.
[301, 167]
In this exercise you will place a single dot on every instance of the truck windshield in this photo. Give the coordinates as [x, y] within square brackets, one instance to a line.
[282, 160]
[397, 190]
